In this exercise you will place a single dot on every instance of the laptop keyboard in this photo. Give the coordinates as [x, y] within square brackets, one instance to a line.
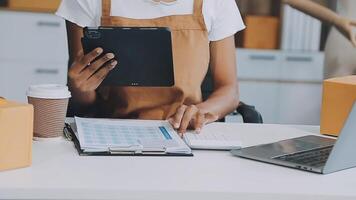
[315, 157]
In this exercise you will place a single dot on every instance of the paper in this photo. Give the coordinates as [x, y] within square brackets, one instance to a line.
[212, 137]
[97, 135]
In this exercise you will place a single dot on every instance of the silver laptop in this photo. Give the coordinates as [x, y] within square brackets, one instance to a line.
[310, 153]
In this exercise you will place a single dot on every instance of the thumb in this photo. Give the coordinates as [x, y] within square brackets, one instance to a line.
[199, 122]
[354, 41]
[353, 38]
[171, 121]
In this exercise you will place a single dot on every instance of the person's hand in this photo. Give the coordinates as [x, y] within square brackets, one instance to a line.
[88, 71]
[347, 28]
[191, 117]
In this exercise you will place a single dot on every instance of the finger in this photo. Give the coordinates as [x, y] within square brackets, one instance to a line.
[83, 61]
[199, 122]
[190, 112]
[96, 79]
[209, 118]
[177, 118]
[353, 23]
[172, 122]
[94, 67]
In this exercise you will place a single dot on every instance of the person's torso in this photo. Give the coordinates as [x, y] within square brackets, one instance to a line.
[190, 48]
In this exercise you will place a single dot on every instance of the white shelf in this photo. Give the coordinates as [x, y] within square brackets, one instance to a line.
[33, 50]
[286, 87]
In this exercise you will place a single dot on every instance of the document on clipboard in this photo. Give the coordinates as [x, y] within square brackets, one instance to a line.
[127, 137]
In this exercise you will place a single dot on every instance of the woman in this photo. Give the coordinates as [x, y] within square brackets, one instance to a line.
[202, 35]
[340, 50]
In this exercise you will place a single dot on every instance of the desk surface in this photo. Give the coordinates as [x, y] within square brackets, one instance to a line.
[59, 173]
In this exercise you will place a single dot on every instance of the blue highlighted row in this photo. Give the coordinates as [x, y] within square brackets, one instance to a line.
[165, 133]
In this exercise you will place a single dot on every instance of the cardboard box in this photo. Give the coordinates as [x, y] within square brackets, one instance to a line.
[34, 5]
[261, 32]
[339, 95]
[16, 131]
[255, 7]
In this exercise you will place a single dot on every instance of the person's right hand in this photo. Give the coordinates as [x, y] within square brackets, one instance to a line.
[88, 72]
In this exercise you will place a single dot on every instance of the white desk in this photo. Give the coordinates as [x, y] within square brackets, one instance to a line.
[59, 173]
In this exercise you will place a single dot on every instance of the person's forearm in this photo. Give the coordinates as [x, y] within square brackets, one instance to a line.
[221, 102]
[225, 97]
[313, 9]
[342, 24]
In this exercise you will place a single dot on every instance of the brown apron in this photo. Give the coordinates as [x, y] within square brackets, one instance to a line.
[191, 59]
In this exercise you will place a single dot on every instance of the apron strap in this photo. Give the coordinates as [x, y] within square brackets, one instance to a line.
[198, 7]
[106, 8]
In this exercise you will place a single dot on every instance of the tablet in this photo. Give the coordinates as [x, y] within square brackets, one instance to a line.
[144, 54]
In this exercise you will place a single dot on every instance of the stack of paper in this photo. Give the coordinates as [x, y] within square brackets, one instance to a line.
[107, 135]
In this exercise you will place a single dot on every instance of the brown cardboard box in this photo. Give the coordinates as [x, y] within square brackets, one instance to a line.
[16, 130]
[34, 5]
[255, 7]
[339, 95]
[262, 32]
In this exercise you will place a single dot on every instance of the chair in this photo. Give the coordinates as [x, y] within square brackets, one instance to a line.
[249, 113]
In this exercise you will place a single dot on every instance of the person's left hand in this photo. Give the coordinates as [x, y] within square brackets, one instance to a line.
[191, 117]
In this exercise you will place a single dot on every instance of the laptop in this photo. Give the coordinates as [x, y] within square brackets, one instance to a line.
[311, 153]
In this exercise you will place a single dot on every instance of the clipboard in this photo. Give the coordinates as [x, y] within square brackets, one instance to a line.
[130, 151]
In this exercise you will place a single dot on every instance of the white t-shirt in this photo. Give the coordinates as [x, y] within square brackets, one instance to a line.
[222, 17]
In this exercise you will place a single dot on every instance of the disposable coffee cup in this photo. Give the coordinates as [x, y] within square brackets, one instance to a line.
[50, 104]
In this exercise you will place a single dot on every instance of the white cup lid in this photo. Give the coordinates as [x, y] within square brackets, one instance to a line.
[49, 91]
